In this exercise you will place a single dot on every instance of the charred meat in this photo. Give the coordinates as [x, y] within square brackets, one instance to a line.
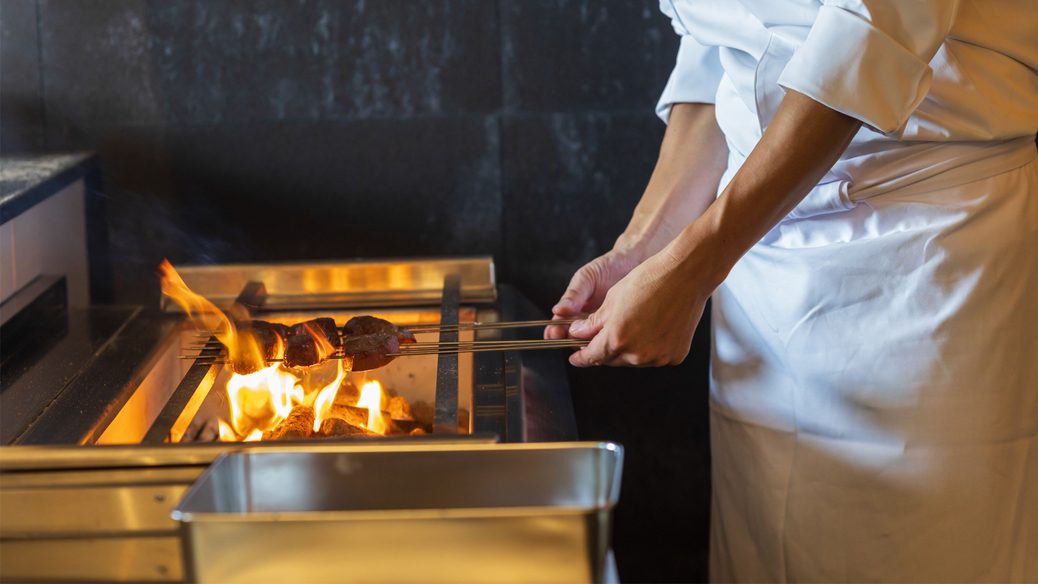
[369, 325]
[370, 351]
[269, 339]
[311, 343]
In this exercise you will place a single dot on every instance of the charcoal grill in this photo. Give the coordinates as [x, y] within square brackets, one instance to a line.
[92, 422]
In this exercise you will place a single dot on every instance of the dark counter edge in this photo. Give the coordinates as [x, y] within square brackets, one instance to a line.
[87, 167]
[21, 201]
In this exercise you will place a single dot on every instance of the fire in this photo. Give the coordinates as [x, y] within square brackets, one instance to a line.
[263, 399]
[243, 350]
[260, 400]
[326, 396]
[371, 398]
[324, 348]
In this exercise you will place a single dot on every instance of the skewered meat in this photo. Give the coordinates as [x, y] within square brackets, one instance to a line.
[268, 337]
[298, 424]
[271, 337]
[311, 342]
[370, 351]
[367, 343]
[369, 325]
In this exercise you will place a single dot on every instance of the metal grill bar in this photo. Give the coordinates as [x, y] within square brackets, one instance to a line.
[446, 420]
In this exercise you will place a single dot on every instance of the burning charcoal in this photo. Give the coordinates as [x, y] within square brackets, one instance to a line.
[298, 424]
[369, 325]
[423, 412]
[391, 427]
[337, 427]
[406, 427]
[399, 409]
[348, 394]
[352, 414]
[304, 349]
[417, 432]
[371, 351]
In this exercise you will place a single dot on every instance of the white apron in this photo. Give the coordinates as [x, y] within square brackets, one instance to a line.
[874, 391]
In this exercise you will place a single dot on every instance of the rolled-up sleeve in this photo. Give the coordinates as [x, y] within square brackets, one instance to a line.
[694, 79]
[869, 58]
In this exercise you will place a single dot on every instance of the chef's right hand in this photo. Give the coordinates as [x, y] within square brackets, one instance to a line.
[587, 289]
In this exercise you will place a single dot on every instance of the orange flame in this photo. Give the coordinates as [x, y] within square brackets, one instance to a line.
[326, 396]
[371, 398]
[260, 400]
[324, 347]
[243, 350]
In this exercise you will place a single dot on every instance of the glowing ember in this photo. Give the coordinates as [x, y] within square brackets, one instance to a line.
[371, 398]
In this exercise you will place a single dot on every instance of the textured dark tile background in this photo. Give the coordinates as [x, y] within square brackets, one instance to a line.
[253, 130]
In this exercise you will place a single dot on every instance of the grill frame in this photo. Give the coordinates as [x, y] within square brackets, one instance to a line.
[516, 397]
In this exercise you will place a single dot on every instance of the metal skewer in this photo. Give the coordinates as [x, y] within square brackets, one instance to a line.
[430, 328]
[435, 348]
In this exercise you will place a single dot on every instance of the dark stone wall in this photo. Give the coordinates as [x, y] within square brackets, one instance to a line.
[261, 130]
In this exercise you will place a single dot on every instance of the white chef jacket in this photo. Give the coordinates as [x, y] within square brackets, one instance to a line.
[874, 376]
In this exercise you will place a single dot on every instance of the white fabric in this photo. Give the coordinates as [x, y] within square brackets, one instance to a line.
[874, 391]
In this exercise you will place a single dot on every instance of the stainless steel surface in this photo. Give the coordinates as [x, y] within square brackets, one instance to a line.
[149, 558]
[100, 523]
[446, 406]
[495, 513]
[102, 513]
[404, 282]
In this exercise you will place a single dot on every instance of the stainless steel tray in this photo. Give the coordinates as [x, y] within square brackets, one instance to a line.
[442, 513]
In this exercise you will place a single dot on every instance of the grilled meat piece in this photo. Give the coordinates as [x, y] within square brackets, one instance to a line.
[369, 325]
[269, 337]
[310, 343]
[370, 351]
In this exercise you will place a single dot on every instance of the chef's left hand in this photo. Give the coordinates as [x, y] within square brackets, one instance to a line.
[647, 319]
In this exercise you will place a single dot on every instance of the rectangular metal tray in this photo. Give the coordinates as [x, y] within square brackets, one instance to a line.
[442, 513]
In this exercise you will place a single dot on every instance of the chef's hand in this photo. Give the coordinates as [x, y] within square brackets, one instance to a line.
[588, 287]
[647, 319]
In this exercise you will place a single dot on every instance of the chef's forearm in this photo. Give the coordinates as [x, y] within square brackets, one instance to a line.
[802, 142]
[692, 159]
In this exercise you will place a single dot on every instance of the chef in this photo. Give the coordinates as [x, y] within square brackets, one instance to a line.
[854, 183]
